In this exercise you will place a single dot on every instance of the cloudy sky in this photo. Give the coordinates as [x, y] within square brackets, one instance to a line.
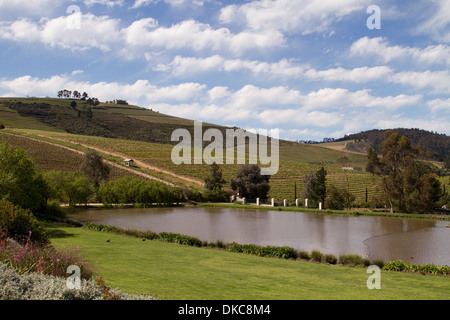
[310, 68]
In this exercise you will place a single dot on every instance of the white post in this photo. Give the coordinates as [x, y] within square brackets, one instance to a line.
[285, 202]
[320, 205]
[296, 203]
[273, 202]
[306, 203]
[257, 201]
[243, 200]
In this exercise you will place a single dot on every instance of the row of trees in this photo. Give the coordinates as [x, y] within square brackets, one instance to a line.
[408, 184]
[67, 94]
[248, 183]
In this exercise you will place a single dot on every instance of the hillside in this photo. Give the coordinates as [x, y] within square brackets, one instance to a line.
[437, 144]
[122, 131]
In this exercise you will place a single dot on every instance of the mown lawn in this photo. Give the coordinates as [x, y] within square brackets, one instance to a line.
[176, 272]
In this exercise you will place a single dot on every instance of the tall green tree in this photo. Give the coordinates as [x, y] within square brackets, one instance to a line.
[373, 165]
[215, 179]
[408, 185]
[214, 185]
[94, 168]
[315, 188]
[20, 182]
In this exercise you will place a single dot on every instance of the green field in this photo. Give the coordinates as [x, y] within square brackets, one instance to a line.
[177, 272]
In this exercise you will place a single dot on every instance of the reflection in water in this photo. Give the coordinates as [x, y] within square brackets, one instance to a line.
[414, 240]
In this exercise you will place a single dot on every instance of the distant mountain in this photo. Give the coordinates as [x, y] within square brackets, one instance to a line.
[437, 144]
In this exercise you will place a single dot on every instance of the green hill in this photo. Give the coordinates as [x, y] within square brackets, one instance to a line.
[125, 131]
[437, 144]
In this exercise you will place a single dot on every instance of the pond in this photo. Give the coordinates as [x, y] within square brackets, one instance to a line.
[418, 241]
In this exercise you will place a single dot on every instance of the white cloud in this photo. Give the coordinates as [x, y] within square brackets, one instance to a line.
[436, 81]
[108, 3]
[358, 75]
[181, 66]
[197, 36]
[95, 32]
[433, 54]
[11, 9]
[139, 38]
[302, 16]
[439, 105]
[438, 23]
[337, 110]
[187, 66]
[142, 3]
[174, 3]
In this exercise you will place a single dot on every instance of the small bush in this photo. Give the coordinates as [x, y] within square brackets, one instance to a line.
[38, 286]
[304, 255]
[316, 256]
[379, 263]
[350, 259]
[399, 265]
[220, 244]
[179, 239]
[267, 251]
[43, 258]
[20, 224]
[329, 258]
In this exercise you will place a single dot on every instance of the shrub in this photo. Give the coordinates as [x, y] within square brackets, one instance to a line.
[43, 258]
[20, 224]
[179, 239]
[379, 263]
[267, 251]
[217, 195]
[329, 258]
[316, 256]
[350, 259]
[397, 265]
[304, 255]
[38, 286]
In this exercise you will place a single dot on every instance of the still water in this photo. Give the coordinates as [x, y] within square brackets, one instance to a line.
[413, 240]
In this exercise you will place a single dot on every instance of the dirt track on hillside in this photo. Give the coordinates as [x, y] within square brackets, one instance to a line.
[140, 163]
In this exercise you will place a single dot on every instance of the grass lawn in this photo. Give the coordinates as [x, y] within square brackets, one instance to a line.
[176, 272]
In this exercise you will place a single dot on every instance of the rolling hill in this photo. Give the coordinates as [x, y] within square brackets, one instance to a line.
[54, 132]
[437, 144]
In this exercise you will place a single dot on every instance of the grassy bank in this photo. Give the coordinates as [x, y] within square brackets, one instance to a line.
[171, 271]
[327, 211]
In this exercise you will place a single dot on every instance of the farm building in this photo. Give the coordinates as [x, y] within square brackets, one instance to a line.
[116, 101]
[128, 162]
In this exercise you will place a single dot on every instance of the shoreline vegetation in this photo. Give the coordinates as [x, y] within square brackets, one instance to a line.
[237, 205]
[285, 252]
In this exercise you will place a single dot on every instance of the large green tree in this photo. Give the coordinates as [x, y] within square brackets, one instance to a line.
[408, 184]
[315, 188]
[214, 185]
[250, 183]
[94, 168]
[20, 182]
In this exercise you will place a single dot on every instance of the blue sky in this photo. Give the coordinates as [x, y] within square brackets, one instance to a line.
[312, 69]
